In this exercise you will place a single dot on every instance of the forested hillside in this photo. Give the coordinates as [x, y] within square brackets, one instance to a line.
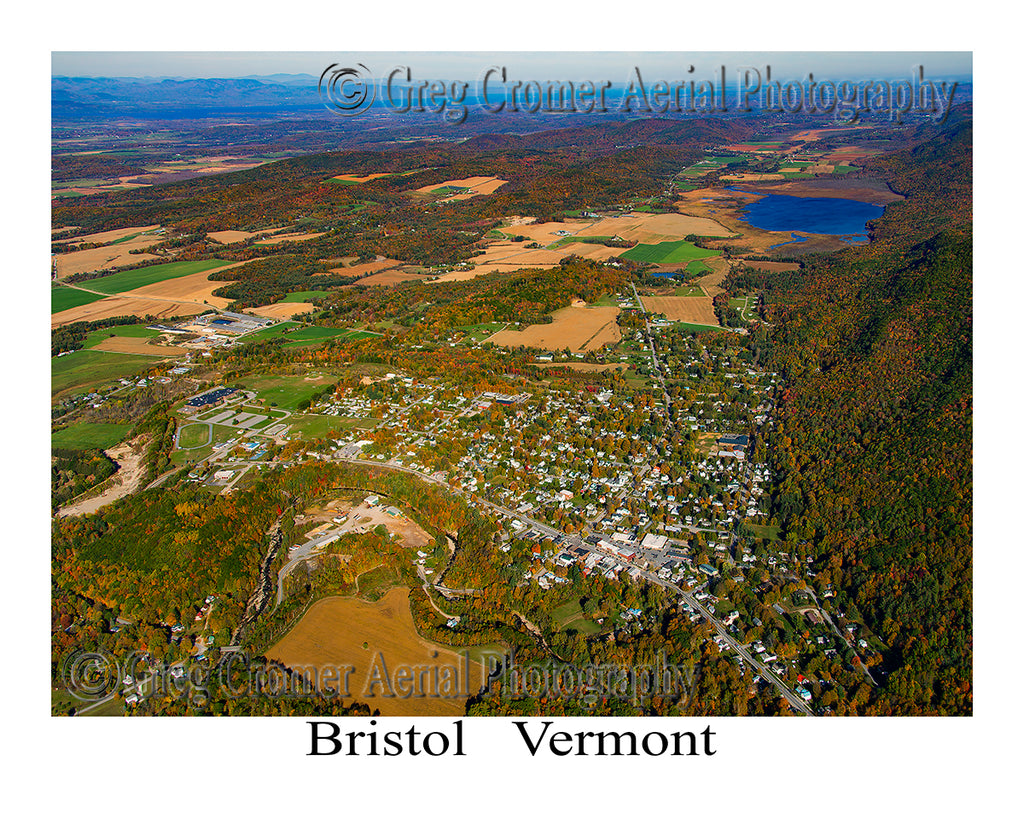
[873, 447]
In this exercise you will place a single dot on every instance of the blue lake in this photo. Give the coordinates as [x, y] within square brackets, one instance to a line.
[837, 217]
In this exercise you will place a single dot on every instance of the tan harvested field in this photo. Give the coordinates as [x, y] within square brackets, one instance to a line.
[504, 256]
[578, 328]
[113, 186]
[195, 287]
[104, 258]
[351, 177]
[138, 346]
[282, 309]
[124, 306]
[478, 185]
[332, 634]
[112, 235]
[227, 237]
[289, 237]
[753, 177]
[366, 267]
[387, 277]
[654, 227]
[692, 309]
[711, 282]
[582, 367]
[814, 134]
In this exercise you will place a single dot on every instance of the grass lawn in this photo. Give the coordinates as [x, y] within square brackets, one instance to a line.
[567, 611]
[124, 331]
[90, 436]
[569, 616]
[131, 279]
[478, 332]
[90, 368]
[64, 298]
[668, 252]
[766, 532]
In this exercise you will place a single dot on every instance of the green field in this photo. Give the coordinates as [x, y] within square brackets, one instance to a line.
[90, 436]
[843, 169]
[690, 290]
[319, 426]
[668, 252]
[358, 335]
[312, 335]
[284, 392]
[695, 328]
[123, 331]
[64, 298]
[131, 279]
[192, 436]
[90, 368]
[698, 267]
[276, 331]
[303, 295]
[450, 190]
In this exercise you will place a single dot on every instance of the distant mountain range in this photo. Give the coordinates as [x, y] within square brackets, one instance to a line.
[149, 97]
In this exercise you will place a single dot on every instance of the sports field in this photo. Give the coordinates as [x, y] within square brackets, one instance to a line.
[376, 639]
[192, 436]
[668, 252]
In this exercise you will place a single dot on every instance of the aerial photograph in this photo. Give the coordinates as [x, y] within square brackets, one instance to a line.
[511, 384]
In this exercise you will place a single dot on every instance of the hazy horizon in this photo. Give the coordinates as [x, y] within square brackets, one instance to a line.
[535, 65]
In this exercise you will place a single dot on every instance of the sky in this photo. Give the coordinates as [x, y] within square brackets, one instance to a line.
[536, 65]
